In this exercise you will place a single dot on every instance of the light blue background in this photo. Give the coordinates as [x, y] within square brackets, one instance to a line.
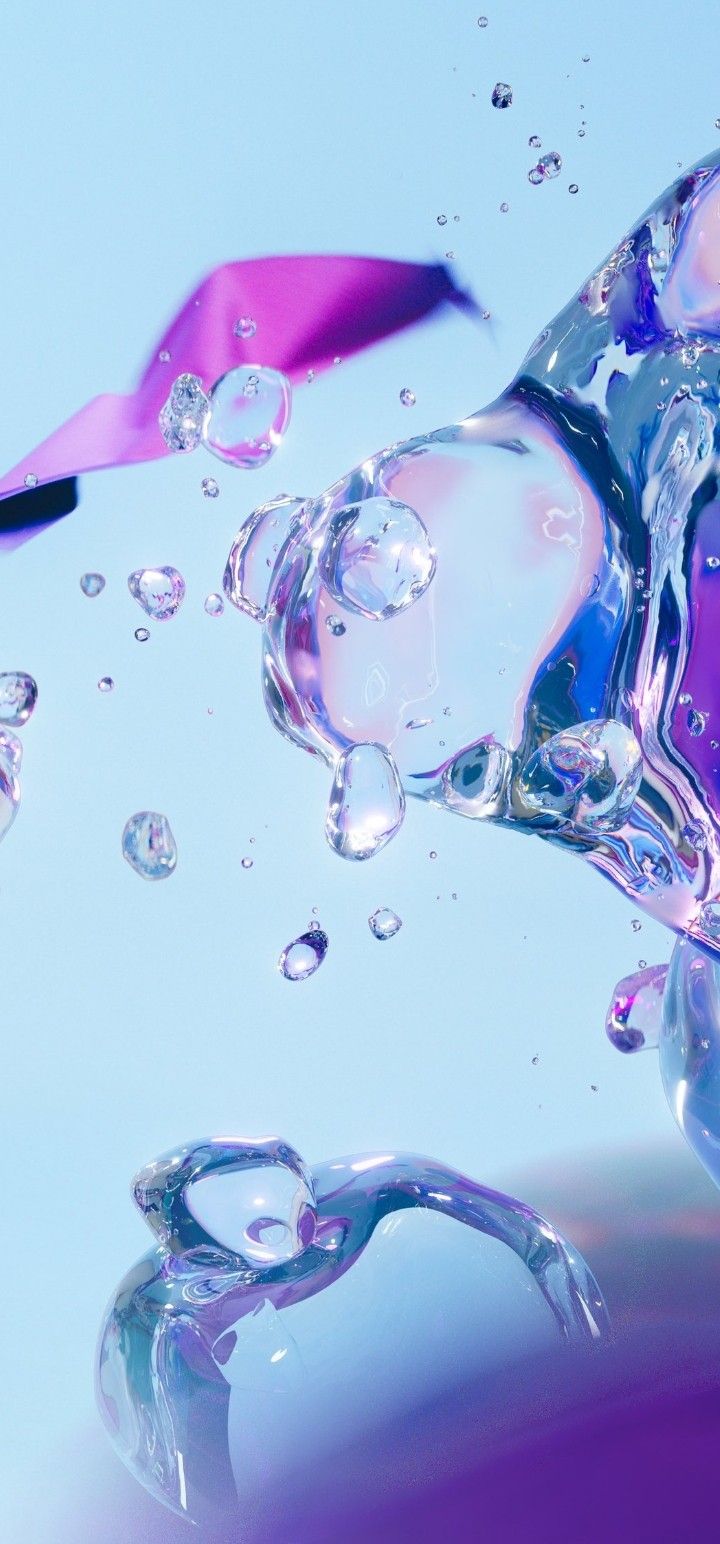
[141, 146]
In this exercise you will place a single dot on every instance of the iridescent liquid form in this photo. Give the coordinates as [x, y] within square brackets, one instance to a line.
[558, 575]
[245, 1232]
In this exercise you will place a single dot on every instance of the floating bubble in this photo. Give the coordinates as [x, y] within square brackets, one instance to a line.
[589, 775]
[384, 923]
[18, 696]
[249, 413]
[149, 845]
[10, 763]
[367, 803]
[106, 683]
[304, 955]
[254, 552]
[501, 95]
[184, 414]
[92, 584]
[214, 605]
[160, 592]
[634, 1018]
[377, 558]
[210, 488]
[245, 327]
[442, 219]
[142, 634]
[407, 397]
[246, 863]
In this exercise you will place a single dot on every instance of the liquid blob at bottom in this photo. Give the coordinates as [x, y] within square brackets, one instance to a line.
[552, 575]
[148, 845]
[367, 803]
[318, 1288]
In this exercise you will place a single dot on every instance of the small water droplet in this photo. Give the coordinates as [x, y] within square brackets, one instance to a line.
[696, 722]
[214, 605]
[30, 480]
[535, 1060]
[573, 188]
[106, 683]
[710, 919]
[142, 634]
[335, 626]
[636, 924]
[442, 219]
[634, 1018]
[160, 591]
[482, 21]
[501, 95]
[384, 923]
[247, 863]
[183, 415]
[432, 854]
[407, 397]
[210, 487]
[418, 723]
[689, 355]
[148, 845]
[535, 142]
[304, 955]
[367, 802]
[245, 327]
[18, 696]
[504, 207]
[377, 558]
[310, 377]
[696, 835]
[164, 356]
[712, 561]
[92, 584]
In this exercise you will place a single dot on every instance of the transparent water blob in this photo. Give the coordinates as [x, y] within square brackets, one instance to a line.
[589, 775]
[160, 592]
[106, 684]
[210, 488]
[249, 413]
[407, 397]
[10, 763]
[304, 955]
[183, 415]
[367, 802]
[245, 327]
[18, 696]
[92, 585]
[142, 634]
[214, 605]
[377, 558]
[634, 1018]
[501, 95]
[232, 1306]
[384, 923]
[149, 846]
[252, 557]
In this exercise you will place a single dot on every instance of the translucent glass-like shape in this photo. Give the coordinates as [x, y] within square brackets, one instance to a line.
[384, 923]
[367, 803]
[160, 591]
[249, 413]
[18, 695]
[184, 414]
[588, 775]
[377, 558]
[573, 524]
[92, 585]
[690, 1050]
[149, 845]
[634, 1018]
[232, 1307]
[10, 762]
[254, 552]
[304, 955]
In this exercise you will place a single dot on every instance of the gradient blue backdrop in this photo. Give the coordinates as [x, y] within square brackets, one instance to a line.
[142, 145]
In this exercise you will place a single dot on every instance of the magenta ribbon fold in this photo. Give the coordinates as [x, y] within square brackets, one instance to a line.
[307, 311]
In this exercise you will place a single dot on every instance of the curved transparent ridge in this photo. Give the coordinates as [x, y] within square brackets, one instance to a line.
[245, 1230]
[572, 536]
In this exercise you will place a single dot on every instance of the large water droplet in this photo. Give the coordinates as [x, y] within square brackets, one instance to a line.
[183, 415]
[160, 591]
[304, 955]
[377, 558]
[588, 775]
[10, 762]
[249, 568]
[18, 695]
[92, 584]
[149, 845]
[384, 923]
[634, 1017]
[249, 413]
[367, 802]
